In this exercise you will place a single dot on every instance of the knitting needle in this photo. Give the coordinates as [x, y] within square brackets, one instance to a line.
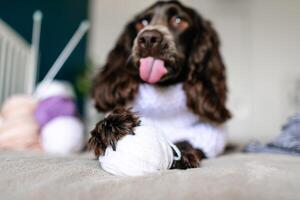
[34, 51]
[84, 26]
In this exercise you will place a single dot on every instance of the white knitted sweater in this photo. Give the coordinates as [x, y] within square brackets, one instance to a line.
[165, 108]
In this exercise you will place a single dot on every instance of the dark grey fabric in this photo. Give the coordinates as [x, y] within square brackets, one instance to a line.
[288, 142]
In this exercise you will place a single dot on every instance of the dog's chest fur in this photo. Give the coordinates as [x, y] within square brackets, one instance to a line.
[165, 106]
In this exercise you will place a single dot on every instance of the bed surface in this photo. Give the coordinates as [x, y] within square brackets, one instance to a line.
[32, 175]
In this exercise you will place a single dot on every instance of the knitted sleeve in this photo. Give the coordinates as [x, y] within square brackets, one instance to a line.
[210, 139]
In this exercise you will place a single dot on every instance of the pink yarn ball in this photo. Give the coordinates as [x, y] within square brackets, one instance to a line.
[17, 106]
[20, 126]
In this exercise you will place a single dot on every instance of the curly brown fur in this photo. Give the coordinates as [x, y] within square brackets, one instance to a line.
[205, 85]
[114, 85]
[108, 131]
[190, 157]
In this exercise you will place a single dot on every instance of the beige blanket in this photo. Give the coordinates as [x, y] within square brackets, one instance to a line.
[29, 175]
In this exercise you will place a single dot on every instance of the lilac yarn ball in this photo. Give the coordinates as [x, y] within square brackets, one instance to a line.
[53, 107]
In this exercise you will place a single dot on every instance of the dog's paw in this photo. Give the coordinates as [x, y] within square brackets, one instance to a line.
[112, 128]
[189, 159]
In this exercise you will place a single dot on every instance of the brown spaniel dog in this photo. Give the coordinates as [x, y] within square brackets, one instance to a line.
[166, 66]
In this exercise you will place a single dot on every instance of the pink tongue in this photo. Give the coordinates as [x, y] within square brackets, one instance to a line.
[151, 69]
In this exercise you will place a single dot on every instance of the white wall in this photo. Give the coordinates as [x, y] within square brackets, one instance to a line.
[261, 43]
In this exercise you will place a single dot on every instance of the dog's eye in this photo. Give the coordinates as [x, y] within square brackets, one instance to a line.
[145, 22]
[141, 24]
[178, 22]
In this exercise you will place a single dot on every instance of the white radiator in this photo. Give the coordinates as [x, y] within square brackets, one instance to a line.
[19, 60]
[17, 63]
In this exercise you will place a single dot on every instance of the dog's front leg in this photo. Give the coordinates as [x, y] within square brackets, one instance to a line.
[119, 123]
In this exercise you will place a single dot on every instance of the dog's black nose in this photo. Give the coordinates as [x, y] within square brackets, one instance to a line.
[150, 38]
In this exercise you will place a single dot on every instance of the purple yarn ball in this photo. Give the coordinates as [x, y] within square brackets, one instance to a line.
[53, 107]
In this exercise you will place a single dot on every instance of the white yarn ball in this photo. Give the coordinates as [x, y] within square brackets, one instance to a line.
[55, 88]
[145, 152]
[63, 135]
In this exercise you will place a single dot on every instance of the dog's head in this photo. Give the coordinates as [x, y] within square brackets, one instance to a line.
[166, 44]
[162, 38]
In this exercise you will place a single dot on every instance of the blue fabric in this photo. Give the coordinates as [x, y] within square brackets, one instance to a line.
[288, 142]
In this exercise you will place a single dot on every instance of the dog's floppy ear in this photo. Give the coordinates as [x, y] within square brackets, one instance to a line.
[114, 86]
[205, 86]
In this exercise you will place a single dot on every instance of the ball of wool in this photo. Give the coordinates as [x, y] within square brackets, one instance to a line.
[55, 88]
[20, 127]
[53, 107]
[17, 106]
[1, 121]
[63, 135]
[145, 152]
